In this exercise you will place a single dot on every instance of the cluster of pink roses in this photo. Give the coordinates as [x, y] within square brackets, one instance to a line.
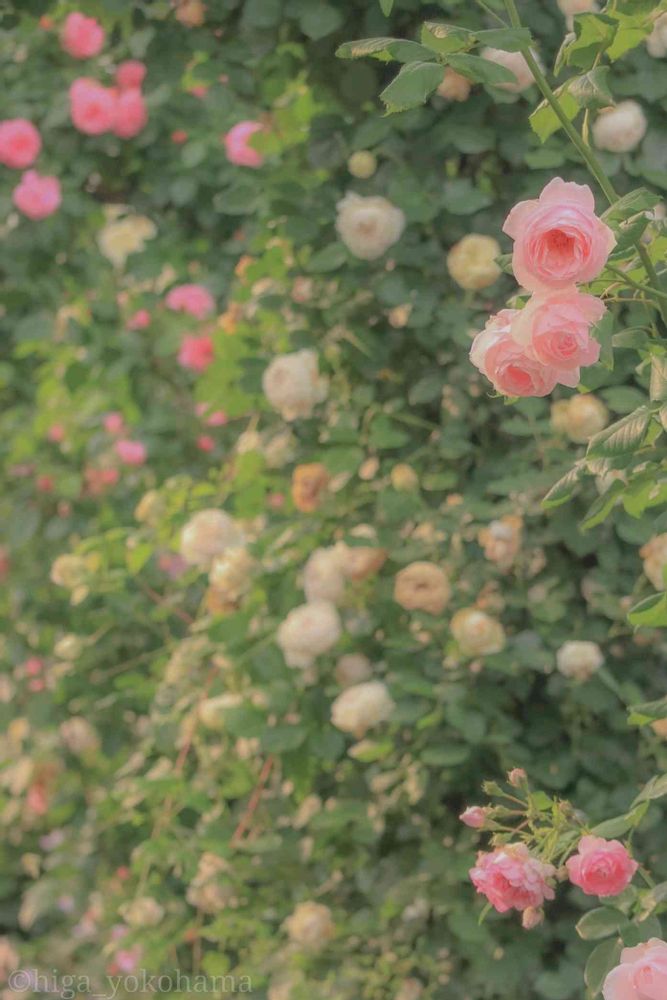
[36, 195]
[96, 109]
[237, 145]
[196, 351]
[559, 242]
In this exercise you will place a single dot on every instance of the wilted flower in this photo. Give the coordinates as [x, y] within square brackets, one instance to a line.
[309, 483]
[361, 707]
[472, 261]
[368, 226]
[292, 384]
[310, 925]
[308, 631]
[477, 633]
[422, 586]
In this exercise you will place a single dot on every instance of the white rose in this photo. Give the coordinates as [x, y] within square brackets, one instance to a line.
[69, 571]
[571, 7]
[472, 261]
[78, 735]
[654, 554]
[586, 415]
[477, 633]
[368, 226]
[324, 574]
[579, 659]
[310, 925]
[69, 647]
[121, 237]
[292, 384]
[308, 631]
[361, 707]
[516, 63]
[352, 668]
[620, 129]
[207, 535]
[656, 43]
[231, 574]
[454, 86]
[142, 912]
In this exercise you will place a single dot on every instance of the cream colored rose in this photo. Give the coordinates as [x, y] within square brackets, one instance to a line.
[659, 727]
[231, 574]
[292, 384]
[79, 736]
[362, 707]
[191, 13]
[364, 561]
[620, 129]
[472, 261]
[368, 226]
[422, 586]
[208, 534]
[404, 478]
[324, 574]
[571, 7]
[208, 891]
[654, 554]
[9, 958]
[656, 43]
[362, 164]
[69, 647]
[310, 925]
[516, 63]
[581, 417]
[121, 237]
[477, 633]
[501, 541]
[279, 449]
[69, 571]
[579, 659]
[211, 711]
[353, 668]
[308, 631]
[454, 86]
[142, 912]
[150, 509]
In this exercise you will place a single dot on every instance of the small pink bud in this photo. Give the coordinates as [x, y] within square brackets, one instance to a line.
[516, 777]
[474, 816]
[531, 917]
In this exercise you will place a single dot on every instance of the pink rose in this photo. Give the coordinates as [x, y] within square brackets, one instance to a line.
[602, 867]
[205, 442]
[131, 452]
[82, 37]
[139, 320]
[642, 974]
[512, 879]
[474, 816]
[506, 364]
[37, 196]
[554, 328]
[20, 143]
[114, 423]
[195, 300]
[92, 106]
[237, 148]
[130, 74]
[196, 353]
[130, 114]
[217, 419]
[56, 433]
[558, 239]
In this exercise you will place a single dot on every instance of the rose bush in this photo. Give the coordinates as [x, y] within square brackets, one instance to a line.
[268, 629]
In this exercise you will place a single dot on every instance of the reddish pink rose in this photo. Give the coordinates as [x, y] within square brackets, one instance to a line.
[45, 484]
[474, 816]
[512, 879]
[196, 353]
[601, 867]
[82, 37]
[127, 959]
[130, 452]
[56, 433]
[205, 442]
[130, 74]
[33, 666]
[237, 148]
[195, 300]
[139, 320]
[20, 143]
[98, 481]
[130, 116]
[179, 136]
[114, 422]
[198, 90]
[558, 239]
[92, 106]
[37, 196]
[172, 564]
[511, 370]
[554, 328]
[642, 974]
[217, 419]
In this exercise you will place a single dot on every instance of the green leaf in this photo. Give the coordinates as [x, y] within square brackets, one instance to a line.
[647, 711]
[626, 435]
[544, 121]
[480, 70]
[320, 20]
[413, 86]
[658, 388]
[446, 38]
[603, 506]
[594, 33]
[600, 962]
[650, 613]
[462, 198]
[507, 39]
[600, 923]
[620, 825]
[386, 50]
[279, 739]
[631, 32]
[589, 90]
[330, 258]
[563, 490]
[386, 6]
[654, 789]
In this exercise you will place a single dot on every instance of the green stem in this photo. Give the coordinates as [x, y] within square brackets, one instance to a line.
[492, 13]
[631, 281]
[585, 151]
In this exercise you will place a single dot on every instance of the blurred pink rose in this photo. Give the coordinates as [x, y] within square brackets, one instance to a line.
[236, 145]
[37, 196]
[510, 369]
[554, 328]
[198, 90]
[98, 481]
[33, 666]
[130, 115]
[195, 300]
[130, 74]
[512, 879]
[642, 974]
[139, 320]
[558, 239]
[172, 564]
[130, 452]
[205, 442]
[217, 419]
[179, 136]
[601, 867]
[196, 353]
[114, 422]
[92, 106]
[473, 816]
[56, 433]
[82, 37]
[20, 143]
